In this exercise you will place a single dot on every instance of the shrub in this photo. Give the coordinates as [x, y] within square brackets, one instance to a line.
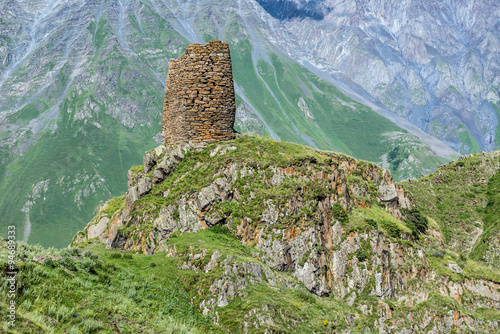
[372, 222]
[127, 256]
[50, 263]
[68, 263]
[221, 229]
[73, 251]
[103, 278]
[362, 254]
[340, 214]
[91, 255]
[415, 221]
[115, 256]
[88, 266]
[391, 228]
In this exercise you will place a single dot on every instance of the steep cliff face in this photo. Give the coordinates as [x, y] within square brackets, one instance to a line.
[339, 227]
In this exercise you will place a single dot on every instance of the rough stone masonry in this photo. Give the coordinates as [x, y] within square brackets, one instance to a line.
[199, 98]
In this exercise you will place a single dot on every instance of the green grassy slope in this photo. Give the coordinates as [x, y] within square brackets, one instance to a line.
[91, 289]
[462, 199]
[335, 122]
[107, 118]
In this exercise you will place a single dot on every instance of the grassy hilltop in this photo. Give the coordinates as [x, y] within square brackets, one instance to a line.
[260, 236]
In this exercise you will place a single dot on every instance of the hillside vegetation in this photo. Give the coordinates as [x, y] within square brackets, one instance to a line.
[462, 199]
[258, 236]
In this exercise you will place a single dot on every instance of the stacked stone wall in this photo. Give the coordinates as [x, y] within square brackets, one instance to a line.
[199, 101]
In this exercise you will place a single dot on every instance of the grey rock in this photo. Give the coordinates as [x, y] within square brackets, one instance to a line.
[213, 261]
[159, 150]
[96, 230]
[149, 161]
[277, 180]
[339, 263]
[119, 241]
[233, 172]
[207, 197]
[130, 178]
[177, 154]
[223, 188]
[306, 275]
[378, 284]
[270, 214]
[387, 192]
[158, 176]
[188, 217]
[455, 268]
[163, 169]
[131, 196]
[166, 224]
[144, 186]
[41, 258]
[226, 293]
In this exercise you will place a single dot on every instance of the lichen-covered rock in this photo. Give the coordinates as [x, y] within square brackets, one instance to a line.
[166, 223]
[455, 268]
[149, 161]
[144, 186]
[96, 230]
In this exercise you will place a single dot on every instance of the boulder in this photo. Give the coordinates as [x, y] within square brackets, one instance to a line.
[144, 186]
[149, 161]
[97, 229]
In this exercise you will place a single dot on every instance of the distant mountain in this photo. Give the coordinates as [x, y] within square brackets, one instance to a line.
[434, 63]
[81, 90]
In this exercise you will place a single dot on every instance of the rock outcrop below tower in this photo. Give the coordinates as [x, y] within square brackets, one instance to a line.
[199, 101]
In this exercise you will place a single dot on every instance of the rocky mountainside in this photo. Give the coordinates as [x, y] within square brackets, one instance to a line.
[259, 236]
[434, 63]
[81, 90]
[338, 227]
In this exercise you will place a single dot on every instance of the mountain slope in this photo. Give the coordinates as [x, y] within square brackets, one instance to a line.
[462, 198]
[255, 236]
[81, 92]
[435, 63]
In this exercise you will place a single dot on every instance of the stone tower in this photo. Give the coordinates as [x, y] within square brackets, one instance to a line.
[199, 101]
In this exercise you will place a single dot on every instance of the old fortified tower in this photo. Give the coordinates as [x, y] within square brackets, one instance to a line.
[199, 98]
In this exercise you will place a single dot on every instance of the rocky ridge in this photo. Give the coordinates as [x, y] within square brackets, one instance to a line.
[332, 224]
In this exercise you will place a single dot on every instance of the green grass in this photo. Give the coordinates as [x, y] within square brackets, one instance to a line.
[467, 140]
[491, 219]
[114, 205]
[455, 197]
[379, 219]
[104, 294]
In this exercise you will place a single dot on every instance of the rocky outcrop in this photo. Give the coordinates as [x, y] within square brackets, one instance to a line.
[290, 212]
[313, 253]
